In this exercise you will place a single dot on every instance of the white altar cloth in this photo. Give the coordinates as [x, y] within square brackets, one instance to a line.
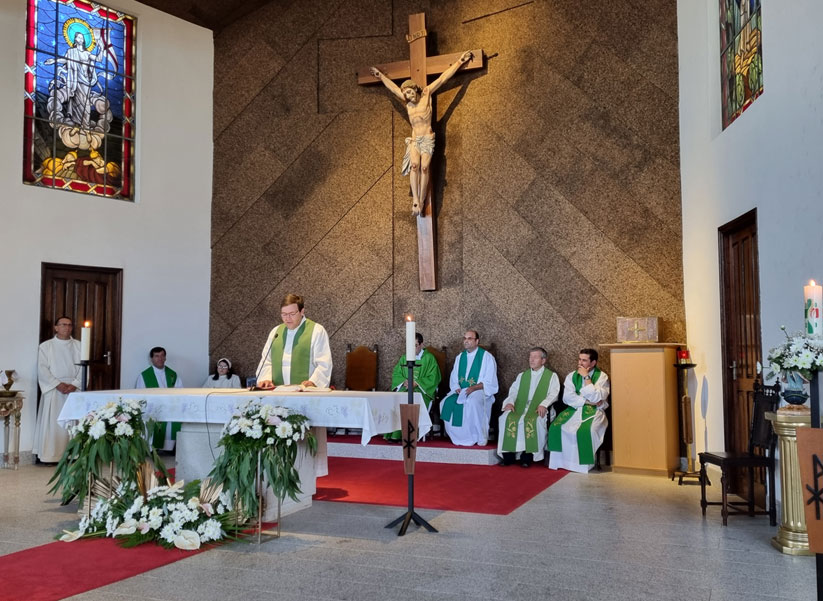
[373, 412]
[197, 408]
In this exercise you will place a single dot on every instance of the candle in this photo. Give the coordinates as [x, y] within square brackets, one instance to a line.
[813, 303]
[85, 341]
[410, 340]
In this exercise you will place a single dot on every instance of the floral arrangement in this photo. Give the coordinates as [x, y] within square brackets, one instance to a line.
[181, 515]
[270, 432]
[113, 434]
[800, 353]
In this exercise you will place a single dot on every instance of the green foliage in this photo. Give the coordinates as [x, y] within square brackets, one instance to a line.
[272, 433]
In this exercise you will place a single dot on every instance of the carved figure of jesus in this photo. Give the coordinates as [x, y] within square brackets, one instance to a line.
[420, 146]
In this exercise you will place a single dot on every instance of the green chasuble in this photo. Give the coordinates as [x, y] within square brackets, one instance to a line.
[300, 354]
[426, 379]
[523, 405]
[584, 432]
[158, 437]
[452, 411]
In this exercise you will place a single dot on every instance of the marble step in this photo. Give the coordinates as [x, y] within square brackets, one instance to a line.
[427, 452]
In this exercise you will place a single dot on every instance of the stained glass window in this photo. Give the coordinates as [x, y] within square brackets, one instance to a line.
[79, 98]
[741, 56]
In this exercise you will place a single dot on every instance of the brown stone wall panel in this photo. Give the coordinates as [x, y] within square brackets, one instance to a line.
[242, 173]
[297, 24]
[513, 311]
[369, 324]
[245, 75]
[650, 112]
[219, 329]
[359, 18]
[616, 276]
[499, 223]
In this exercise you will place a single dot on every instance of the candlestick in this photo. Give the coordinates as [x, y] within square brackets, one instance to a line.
[85, 341]
[813, 304]
[410, 340]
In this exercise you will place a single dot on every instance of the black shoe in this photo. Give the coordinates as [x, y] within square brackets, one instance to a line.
[508, 459]
[526, 459]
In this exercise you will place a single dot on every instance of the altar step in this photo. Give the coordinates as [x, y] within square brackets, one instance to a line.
[431, 451]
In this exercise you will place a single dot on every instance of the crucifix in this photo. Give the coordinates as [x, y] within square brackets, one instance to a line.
[416, 93]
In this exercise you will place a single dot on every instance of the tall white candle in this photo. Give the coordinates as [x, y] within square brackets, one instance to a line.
[85, 341]
[813, 308]
[410, 340]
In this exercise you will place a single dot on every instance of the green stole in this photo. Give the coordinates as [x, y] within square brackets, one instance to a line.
[523, 405]
[300, 353]
[158, 437]
[584, 432]
[451, 411]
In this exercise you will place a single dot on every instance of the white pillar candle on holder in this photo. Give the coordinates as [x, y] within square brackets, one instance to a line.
[85, 341]
[410, 339]
[813, 308]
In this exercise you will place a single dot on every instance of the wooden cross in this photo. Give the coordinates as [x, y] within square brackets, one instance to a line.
[417, 68]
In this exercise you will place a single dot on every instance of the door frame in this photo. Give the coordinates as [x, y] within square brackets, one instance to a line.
[47, 329]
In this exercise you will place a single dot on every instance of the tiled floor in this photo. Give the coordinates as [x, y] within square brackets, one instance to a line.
[589, 537]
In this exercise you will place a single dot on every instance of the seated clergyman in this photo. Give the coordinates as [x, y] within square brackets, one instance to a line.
[577, 432]
[522, 424]
[473, 382]
[426, 377]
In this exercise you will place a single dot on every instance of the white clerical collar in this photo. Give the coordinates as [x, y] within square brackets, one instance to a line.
[419, 355]
[291, 333]
[470, 353]
[158, 370]
[538, 372]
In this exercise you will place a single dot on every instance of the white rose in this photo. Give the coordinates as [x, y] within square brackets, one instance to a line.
[123, 429]
[188, 540]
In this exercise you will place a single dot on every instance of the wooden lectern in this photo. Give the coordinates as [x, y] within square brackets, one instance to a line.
[644, 408]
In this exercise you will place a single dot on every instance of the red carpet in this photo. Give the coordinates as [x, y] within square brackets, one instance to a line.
[471, 488]
[442, 443]
[59, 570]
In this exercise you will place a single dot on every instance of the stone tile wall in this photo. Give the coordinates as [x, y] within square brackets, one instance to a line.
[556, 175]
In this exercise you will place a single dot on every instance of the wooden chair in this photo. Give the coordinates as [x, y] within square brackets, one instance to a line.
[361, 368]
[442, 390]
[361, 372]
[760, 454]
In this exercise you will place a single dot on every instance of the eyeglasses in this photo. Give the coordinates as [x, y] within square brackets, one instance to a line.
[292, 314]
[469, 338]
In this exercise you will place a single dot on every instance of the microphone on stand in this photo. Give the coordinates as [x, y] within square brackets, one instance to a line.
[260, 367]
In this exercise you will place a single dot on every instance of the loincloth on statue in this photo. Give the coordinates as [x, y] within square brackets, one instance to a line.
[424, 144]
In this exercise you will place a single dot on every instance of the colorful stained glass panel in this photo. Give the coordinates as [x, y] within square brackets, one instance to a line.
[741, 56]
[79, 98]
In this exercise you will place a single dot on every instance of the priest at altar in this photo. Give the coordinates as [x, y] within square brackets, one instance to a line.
[297, 351]
[473, 382]
[522, 424]
[578, 431]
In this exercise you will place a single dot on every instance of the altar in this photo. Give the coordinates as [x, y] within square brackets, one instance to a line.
[204, 411]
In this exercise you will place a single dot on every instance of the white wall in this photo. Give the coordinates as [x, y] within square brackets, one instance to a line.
[161, 241]
[770, 158]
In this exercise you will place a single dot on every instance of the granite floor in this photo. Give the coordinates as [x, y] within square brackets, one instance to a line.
[588, 537]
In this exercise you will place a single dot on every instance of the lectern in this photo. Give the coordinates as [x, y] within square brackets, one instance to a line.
[644, 407]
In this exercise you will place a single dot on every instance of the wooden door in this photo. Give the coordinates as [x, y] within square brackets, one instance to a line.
[86, 294]
[740, 323]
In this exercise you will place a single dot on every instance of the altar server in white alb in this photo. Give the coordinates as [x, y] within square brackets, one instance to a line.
[58, 372]
[577, 432]
[473, 382]
[522, 426]
[297, 351]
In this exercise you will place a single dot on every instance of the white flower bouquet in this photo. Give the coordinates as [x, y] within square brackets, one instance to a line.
[273, 433]
[800, 354]
[113, 434]
[181, 515]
